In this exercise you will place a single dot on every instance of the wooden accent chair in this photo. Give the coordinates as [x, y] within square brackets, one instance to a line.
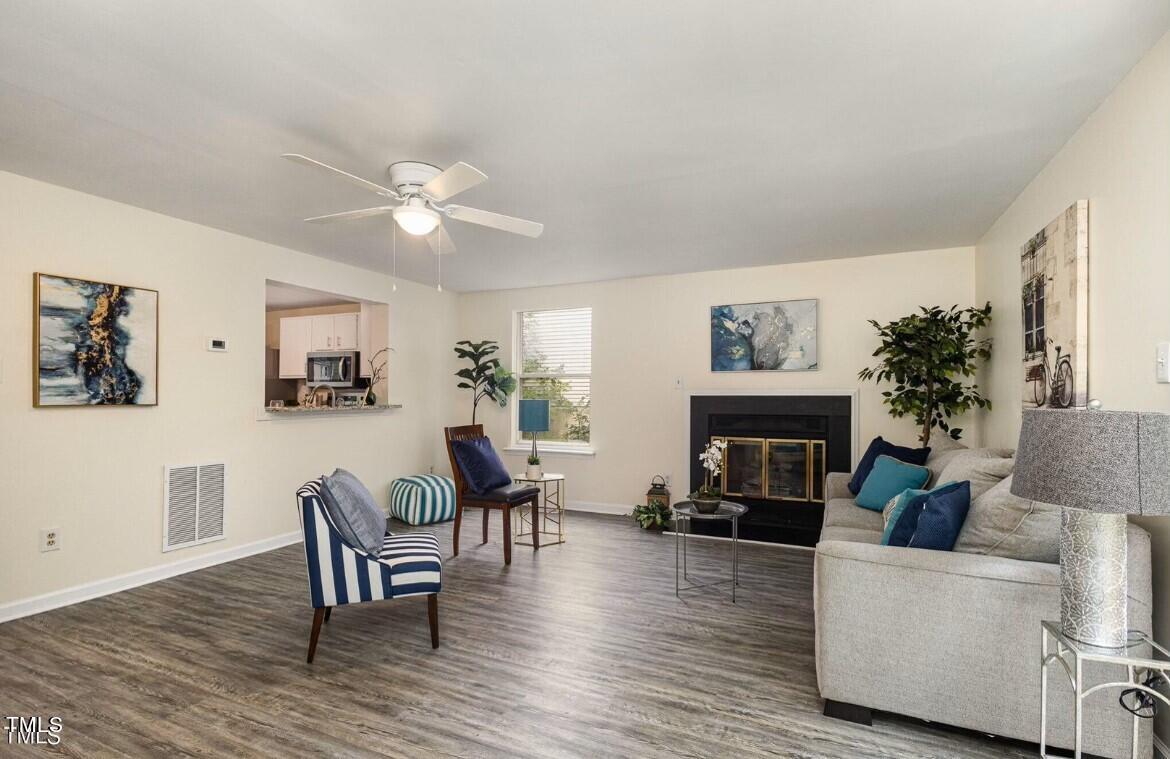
[407, 564]
[505, 498]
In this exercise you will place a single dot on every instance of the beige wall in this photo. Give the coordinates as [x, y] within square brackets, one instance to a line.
[1120, 161]
[96, 473]
[648, 332]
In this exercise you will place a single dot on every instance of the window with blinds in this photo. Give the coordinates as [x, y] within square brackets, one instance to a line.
[555, 360]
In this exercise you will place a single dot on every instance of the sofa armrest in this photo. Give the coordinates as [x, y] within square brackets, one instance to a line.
[837, 485]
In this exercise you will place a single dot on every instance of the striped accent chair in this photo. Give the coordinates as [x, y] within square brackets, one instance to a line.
[340, 574]
[422, 499]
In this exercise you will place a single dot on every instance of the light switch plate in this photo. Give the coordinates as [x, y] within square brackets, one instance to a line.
[1163, 362]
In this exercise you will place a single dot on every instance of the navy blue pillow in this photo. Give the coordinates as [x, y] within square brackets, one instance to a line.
[907, 523]
[880, 447]
[942, 518]
[480, 465]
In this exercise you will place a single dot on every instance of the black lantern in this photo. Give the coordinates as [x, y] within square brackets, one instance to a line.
[658, 494]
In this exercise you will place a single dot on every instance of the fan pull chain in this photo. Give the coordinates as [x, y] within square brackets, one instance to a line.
[439, 255]
[394, 254]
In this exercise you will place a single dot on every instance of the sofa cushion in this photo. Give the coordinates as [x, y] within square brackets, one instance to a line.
[844, 512]
[982, 467]
[889, 477]
[879, 447]
[851, 535]
[942, 518]
[1002, 524]
[353, 511]
[943, 448]
[480, 465]
[894, 508]
[907, 523]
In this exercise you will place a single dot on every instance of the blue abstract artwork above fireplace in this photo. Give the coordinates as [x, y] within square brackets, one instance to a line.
[772, 336]
[96, 343]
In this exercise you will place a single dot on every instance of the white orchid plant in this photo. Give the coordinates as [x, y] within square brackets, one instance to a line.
[712, 460]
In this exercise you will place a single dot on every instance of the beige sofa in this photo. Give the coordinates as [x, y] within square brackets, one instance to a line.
[952, 637]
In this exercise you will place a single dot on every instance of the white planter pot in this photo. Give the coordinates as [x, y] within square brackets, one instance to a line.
[533, 472]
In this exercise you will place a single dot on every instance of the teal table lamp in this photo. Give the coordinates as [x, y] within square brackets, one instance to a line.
[534, 419]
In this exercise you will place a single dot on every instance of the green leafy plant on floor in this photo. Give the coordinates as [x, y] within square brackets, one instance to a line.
[929, 356]
[485, 378]
[652, 516]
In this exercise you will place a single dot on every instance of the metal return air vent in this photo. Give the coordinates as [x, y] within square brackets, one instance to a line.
[194, 505]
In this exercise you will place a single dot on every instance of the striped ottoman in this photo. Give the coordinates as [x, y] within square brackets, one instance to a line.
[422, 499]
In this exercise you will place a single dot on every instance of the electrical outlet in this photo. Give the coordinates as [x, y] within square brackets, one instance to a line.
[51, 539]
[667, 478]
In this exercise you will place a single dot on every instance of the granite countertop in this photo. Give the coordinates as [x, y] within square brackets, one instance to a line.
[308, 410]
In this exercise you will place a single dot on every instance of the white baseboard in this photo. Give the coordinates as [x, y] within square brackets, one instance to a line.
[78, 593]
[599, 508]
[1161, 749]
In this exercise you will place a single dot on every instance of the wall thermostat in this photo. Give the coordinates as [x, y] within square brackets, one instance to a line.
[218, 344]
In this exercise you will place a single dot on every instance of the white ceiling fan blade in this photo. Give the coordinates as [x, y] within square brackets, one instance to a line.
[346, 215]
[495, 220]
[453, 181]
[440, 241]
[372, 187]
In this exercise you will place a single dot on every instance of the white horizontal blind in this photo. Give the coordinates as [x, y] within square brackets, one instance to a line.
[555, 361]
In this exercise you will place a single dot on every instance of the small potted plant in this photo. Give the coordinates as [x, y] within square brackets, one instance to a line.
[652, 516]
[707, 497]
[533, 472]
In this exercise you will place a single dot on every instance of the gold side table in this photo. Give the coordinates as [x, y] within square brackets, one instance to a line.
[550, 522]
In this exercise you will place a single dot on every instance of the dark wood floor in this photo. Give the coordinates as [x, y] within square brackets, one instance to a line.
[578, 650]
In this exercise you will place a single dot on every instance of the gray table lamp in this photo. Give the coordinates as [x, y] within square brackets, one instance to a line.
[1100, 466]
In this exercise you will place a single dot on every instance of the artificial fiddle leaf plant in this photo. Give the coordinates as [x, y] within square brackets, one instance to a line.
[929, 356]
[485, 377]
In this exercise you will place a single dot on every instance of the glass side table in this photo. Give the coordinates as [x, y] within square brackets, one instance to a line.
[684, 512]
[1072, 655]
[549, 519]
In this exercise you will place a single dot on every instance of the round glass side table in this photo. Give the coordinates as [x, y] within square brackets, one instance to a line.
[684, 512]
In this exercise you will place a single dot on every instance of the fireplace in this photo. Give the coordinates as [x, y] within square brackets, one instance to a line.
[779, 448]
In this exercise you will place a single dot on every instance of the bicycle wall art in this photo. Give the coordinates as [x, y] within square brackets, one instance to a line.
[1054, 267]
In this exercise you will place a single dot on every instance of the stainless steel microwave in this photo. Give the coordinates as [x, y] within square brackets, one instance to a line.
[332, 368]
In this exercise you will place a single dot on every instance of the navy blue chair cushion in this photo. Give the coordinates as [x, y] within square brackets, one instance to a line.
[480, 465]
[880, 447]
[907, 523]
[942, 517]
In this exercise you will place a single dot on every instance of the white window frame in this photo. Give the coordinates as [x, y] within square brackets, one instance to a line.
[520, 444]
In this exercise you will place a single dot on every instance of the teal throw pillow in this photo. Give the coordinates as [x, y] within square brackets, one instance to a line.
[888, 478]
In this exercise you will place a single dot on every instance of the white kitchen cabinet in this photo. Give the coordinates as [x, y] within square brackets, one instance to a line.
[335, 332]
[322, 331]
[295, 342]
[345, 332]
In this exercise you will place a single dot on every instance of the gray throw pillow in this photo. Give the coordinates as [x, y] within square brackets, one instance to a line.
[984, 468]
[1002, 524]
[353, 511]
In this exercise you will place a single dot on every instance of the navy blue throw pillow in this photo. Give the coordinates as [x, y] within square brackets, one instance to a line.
[942, 517]
[880, 447]
[480, 465]
[907, 523]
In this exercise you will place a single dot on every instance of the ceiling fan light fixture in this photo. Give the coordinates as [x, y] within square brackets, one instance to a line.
[416, 219]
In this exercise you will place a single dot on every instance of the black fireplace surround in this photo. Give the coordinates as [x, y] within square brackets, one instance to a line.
[805, 417]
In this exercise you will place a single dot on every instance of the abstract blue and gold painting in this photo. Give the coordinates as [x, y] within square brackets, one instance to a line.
[96, 343]
[778, 336]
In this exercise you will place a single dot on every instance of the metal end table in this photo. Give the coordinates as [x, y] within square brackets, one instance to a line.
[550, 521]
[684, 512]
[1072, 655]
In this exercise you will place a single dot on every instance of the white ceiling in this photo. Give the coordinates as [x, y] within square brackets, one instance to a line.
[649, 137]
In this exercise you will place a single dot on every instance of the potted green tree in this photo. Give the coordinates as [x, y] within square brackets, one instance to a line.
[485, 378]
[929, 356]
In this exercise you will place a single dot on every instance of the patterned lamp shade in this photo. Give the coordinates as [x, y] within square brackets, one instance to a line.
[534, 416]
[1109, 462]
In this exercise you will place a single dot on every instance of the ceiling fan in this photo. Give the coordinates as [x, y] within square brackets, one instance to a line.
[418, 189]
